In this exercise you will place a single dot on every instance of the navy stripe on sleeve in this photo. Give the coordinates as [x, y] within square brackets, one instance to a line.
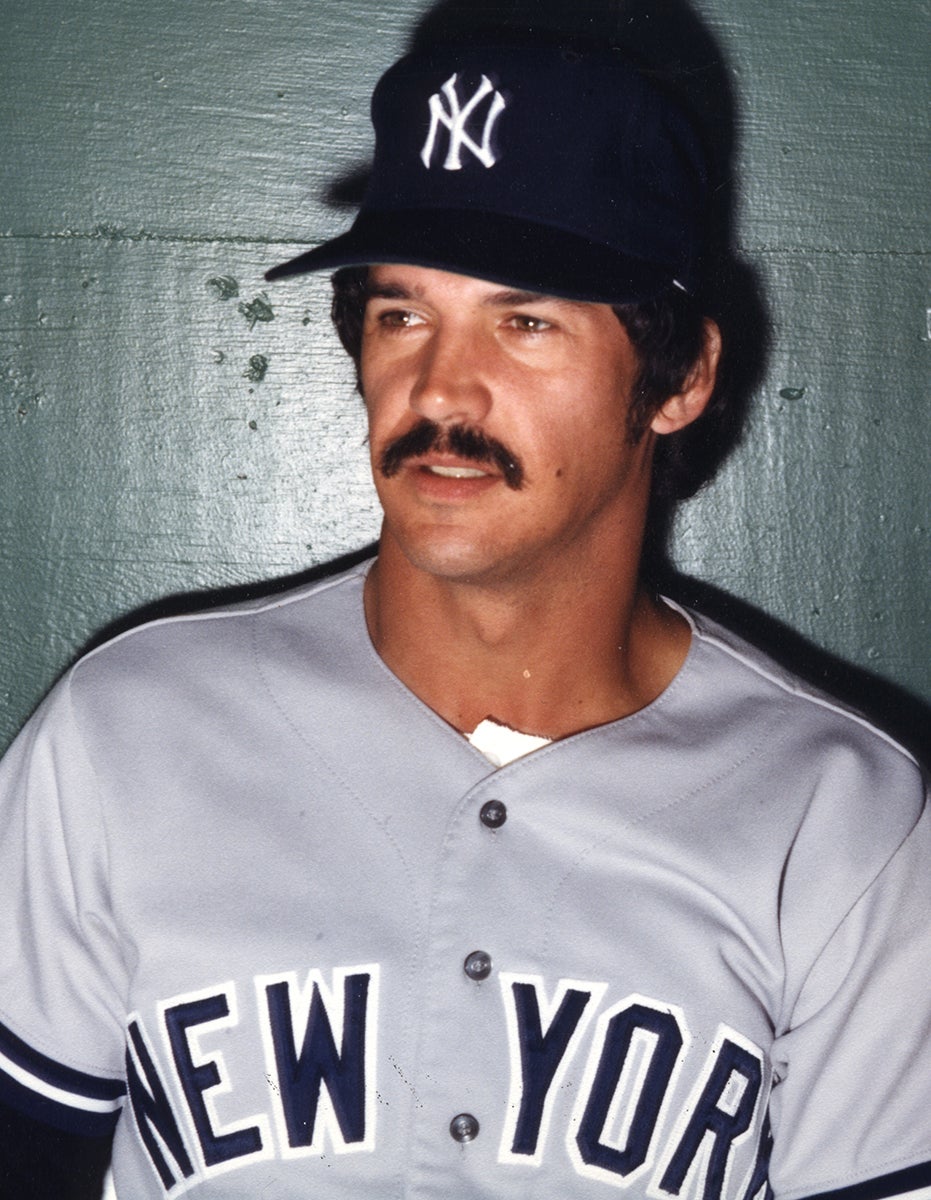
[883, 1187]
[48, 1091]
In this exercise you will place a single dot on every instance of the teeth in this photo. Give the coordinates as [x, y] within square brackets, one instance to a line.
[458, 472]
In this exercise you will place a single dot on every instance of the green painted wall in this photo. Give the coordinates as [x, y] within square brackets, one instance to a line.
[172, 425]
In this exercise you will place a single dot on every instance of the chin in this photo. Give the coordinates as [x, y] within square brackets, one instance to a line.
[462, 564]
[455, 558]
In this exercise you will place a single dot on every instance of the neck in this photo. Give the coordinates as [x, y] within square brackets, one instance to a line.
[551, 656]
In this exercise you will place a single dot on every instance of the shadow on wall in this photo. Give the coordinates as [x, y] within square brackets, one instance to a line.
[672, 43]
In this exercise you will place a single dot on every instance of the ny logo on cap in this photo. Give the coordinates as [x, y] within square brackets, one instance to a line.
[455, 118]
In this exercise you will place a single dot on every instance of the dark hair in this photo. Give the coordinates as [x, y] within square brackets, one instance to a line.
[667, 333]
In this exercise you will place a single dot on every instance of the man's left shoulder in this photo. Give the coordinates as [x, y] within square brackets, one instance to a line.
[806, 729]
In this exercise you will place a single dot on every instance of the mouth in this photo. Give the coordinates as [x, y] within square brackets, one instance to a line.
[470, 446]
[456, 472]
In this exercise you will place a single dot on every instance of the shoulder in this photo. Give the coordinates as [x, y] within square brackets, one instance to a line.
[743, 673]
[830, 757]
[227, 667]
[223, 640]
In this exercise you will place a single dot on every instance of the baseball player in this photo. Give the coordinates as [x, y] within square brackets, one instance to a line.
[477, 870]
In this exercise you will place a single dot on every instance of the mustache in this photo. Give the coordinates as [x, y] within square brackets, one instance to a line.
[469, 444]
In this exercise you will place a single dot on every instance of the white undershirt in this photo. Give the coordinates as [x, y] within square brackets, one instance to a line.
[502, 745]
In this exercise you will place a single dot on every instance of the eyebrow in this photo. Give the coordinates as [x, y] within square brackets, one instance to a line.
[387, 291]
[507, 298]
[515, 298]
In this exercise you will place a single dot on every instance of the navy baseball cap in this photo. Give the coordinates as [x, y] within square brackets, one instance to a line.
[556, 170]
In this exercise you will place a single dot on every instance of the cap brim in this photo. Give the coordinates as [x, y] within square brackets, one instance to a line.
[490, 246]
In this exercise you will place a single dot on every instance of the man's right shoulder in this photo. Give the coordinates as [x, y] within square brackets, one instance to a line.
[310, 620]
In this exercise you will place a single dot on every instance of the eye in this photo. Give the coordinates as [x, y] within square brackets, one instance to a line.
[397, 318]
[528, 323]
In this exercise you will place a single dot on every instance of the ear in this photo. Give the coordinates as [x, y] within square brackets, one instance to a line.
[683, 408]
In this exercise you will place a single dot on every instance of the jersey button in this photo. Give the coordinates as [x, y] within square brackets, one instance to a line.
[477, 965]
[493, 814]
[464, 1127]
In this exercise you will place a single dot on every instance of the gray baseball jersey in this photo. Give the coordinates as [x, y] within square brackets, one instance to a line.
[295, 937]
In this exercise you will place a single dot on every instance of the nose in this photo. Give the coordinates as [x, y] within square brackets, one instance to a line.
[450, 385]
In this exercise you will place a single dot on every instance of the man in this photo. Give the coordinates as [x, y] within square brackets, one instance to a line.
[479, 870]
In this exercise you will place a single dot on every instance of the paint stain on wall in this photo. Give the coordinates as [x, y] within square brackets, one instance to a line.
[224, 287]
[258, 309]
[27, 405]
[257, 368]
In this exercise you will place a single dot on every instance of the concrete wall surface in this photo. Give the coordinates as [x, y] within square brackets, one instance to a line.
[173, 424]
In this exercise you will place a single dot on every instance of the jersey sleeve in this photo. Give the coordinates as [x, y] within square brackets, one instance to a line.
[61, 972]
[851, 1108]
[40, 1162]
